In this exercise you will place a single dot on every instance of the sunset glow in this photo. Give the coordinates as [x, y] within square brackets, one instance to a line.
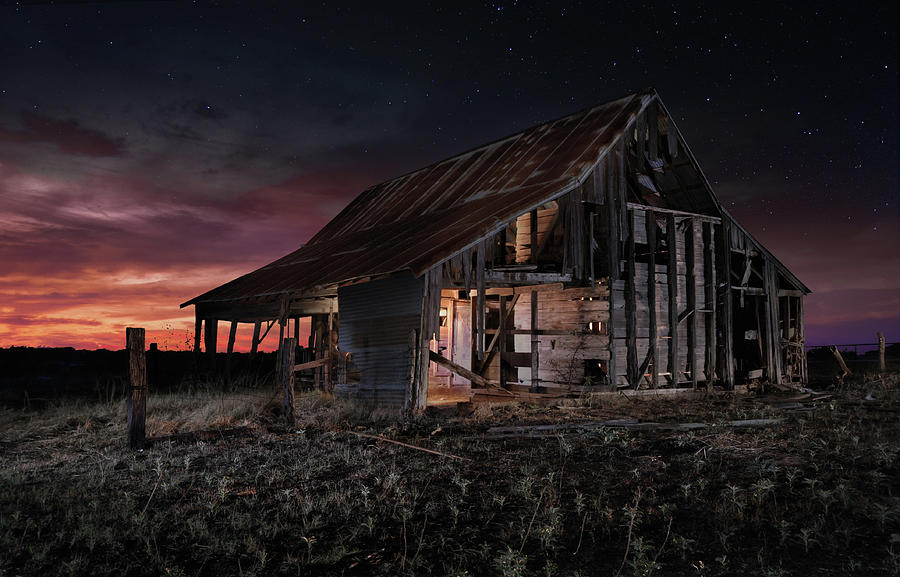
[148, 156]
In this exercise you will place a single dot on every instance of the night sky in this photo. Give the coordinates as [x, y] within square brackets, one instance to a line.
[150, 151]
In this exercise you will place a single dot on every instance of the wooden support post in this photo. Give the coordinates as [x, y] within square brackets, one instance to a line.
[709, 272]
[288, 346]
[482, 301]
[136, 406]
[198, 329]
[774, 337]
[613, 263]
[653, 129]
[727, 316]
[653, 350]
[882, 367]
[501, 332]
[210, 336]
[672, 280]
[232, 334]
[592, 243]
[412, 389]
[691, 287]
[800, 327]
[254, 344]
[535, 343]
[631, 305]
[533, 221]
[297, 329]
[329, 366]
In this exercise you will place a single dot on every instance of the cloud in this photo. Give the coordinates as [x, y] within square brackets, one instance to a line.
[69, 136]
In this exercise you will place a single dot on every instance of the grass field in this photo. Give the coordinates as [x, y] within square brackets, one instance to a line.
[226, 490]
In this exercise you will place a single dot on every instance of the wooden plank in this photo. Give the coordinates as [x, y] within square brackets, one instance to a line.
[136, 405]
[651, 277]
[691, 288]
[612, 240]
[517, 359]
[535, 364]
[556, 286]
[465, 373]
[630, 308]
[311, 364]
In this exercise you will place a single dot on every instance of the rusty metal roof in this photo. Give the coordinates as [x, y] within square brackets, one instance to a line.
[423, 218]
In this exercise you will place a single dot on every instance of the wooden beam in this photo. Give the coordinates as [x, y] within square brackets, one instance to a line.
[312, 364]
[672, 280]
[535, 361]
[533, 223]
[694, 215]
[525, 278]
[882, 366]
[653, 352]
[462, 371]
[653, 131]
[491, 350]
[691, 286]
[630, 304]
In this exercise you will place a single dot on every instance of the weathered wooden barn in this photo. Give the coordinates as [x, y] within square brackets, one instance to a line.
[586, 253]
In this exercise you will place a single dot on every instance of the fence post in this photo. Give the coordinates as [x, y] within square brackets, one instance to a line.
[881, 365]
[288, 346]
[136, 405]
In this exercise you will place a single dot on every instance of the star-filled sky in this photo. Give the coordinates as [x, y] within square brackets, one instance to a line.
[150, 151]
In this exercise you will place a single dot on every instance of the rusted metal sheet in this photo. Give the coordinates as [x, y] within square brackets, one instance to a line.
[420, 219]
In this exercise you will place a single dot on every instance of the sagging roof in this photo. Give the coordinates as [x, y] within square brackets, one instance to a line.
[422, 218]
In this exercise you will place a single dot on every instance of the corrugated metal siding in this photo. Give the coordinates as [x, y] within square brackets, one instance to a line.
[375, 324]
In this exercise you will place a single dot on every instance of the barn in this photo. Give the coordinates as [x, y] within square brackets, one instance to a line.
[588, 253]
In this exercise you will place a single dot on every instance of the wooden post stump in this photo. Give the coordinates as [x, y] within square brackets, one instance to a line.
[136, 405]
[288, 346]
[881, 364]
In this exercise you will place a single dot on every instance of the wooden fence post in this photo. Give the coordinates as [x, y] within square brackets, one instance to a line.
[137, 400]
[881, 364]
[288, 346]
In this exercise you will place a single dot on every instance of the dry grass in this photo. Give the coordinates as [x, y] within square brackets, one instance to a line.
[226, 489]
